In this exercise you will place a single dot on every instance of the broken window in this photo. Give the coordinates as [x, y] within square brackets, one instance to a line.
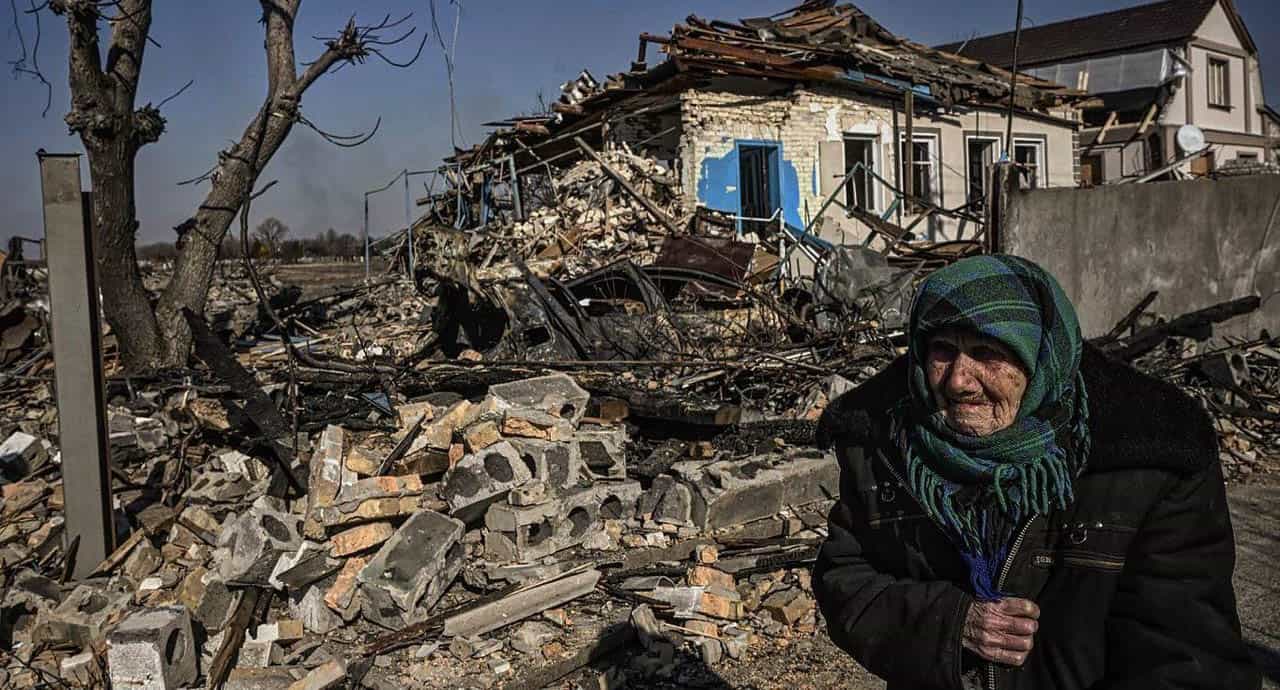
[981, 154]
[1028, 154]
[922, 169]
[1219, 83]
[859, 153]
[758, 184]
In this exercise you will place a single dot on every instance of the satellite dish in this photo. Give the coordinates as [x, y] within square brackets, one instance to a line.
[1191, 139]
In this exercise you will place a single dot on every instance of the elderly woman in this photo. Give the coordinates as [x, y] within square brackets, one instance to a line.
[1018, 511]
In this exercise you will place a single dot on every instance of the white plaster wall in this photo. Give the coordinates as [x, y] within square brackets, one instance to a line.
[713, 120]
[1217, 28]
[1232, 120]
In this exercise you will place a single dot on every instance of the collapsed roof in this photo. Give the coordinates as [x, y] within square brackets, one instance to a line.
[817, 42]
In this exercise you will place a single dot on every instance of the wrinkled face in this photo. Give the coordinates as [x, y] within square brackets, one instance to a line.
[976, 381]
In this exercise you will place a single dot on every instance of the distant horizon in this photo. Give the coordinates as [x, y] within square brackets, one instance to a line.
[507, 53]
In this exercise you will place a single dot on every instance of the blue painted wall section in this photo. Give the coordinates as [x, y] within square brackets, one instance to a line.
[718, 184]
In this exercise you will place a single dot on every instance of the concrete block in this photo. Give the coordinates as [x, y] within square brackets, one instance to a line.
[144, 560]
[415, 566]
[481, 478]
[555, 394]
[531, 493]
[557, 464]
[727, 493]
[528, 533]
[526, 423]
[81, 670]
[83, 615]
[603, 450]
[152, 650]
[21, 453]
[255, 653]
[255, 541]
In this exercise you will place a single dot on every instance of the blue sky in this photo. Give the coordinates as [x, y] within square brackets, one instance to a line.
[507, 52]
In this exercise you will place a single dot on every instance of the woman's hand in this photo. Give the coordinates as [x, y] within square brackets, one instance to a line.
[1001, 631]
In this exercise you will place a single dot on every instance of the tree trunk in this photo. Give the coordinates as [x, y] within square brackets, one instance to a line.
[124, 300]
[198, 247]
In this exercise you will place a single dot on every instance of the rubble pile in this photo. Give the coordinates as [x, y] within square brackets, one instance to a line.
[506, 532]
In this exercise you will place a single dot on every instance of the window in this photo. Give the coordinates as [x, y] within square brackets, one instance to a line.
[1219, 83]
[981, 154]
[923, 171]
[1249, 157]
[1029, 155]
[859, 191]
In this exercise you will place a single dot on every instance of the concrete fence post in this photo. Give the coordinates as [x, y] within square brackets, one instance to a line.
[77, 355]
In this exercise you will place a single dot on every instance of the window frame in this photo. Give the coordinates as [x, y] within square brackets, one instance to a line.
[1041, 178]
[969, 138]
[1218, 67]
[874, 192]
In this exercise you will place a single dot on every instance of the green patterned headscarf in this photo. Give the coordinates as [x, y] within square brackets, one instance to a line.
[979, 489]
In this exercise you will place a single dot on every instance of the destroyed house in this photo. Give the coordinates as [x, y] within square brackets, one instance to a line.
[1150, 70]
[816, 126]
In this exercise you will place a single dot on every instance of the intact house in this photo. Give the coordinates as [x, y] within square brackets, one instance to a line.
[765, 120]
[1150, 69]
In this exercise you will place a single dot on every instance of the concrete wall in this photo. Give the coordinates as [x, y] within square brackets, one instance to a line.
[810, 124]
[1197, 242]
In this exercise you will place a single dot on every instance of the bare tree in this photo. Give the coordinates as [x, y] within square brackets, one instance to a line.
[271, 232]
[112, 129]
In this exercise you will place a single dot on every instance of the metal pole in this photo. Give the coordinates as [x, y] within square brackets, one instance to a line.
[1013, 82]
[365, 233]
[77, 351]
[408, 221]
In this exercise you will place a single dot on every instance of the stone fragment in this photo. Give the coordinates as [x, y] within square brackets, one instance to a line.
[360, 538]
[83, 615]
[235, 462]
[499, 666]
[81, 670]
[706, 554]
[328, 477]
[208, 598]
[260, 653]
[487, 648]
[705, 576]
[341, 594]
[536, 425]
[529, 637]
[21, 453]
[271, 678]
[363, 460]
[315, 614]
[481, 435]
[415, 566]
[555, 394]
[144, 560]
[711, 651]
[20, 496]
[788, 606]
[438, 434]
[735, 640]
[152, 649]
[327, 675]
[603, 450]
[528, 533]
[307, 564]
[408, 414]
[255, 541]
[675, 507]
[481, 478]
[703, 628]
[521, 604]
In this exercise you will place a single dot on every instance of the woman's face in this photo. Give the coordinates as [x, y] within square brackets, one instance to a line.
[976, 381]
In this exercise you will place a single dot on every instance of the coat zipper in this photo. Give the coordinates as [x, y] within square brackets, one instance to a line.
[1004, 573]
[1100, 563]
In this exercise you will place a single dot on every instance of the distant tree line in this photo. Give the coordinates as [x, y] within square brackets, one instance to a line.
[269, 241]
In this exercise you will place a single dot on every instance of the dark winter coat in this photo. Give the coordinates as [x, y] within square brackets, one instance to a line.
[1133, 580]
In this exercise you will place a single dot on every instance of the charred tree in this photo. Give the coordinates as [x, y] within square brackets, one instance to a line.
[113, 130]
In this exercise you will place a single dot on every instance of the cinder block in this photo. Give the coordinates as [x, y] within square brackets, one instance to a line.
[603, 450]
[556, 394]
[254, 542]
[480, 478]
[532, 532]
[559, 465]
[152, 650]
[416, 565]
